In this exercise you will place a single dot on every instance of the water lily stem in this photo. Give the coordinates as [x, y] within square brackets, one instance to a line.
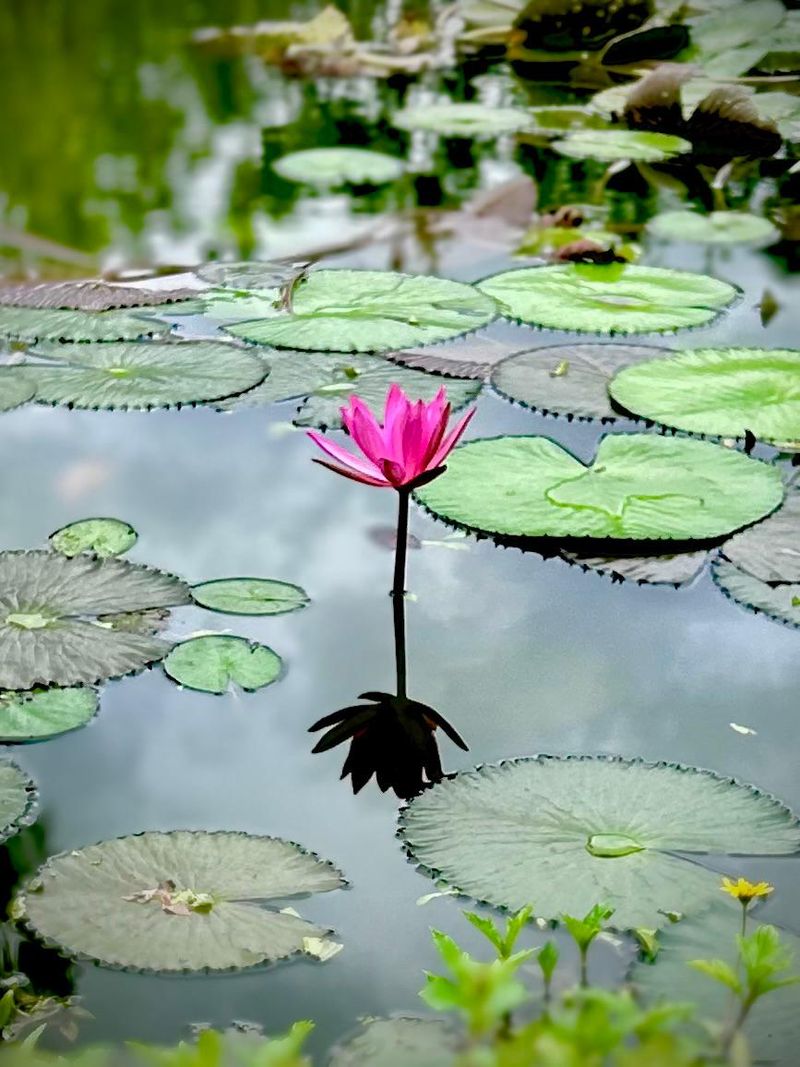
[399, 588]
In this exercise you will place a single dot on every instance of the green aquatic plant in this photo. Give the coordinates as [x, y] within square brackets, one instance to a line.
[102, 537]
[584, 931]
[213, 662]
[330, 167]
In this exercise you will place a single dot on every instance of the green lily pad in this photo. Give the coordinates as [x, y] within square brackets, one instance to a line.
[468, 120]
[179, 901]
[718, 391]
[569, 380]
[719, 227]
[365, 311]
[639, 487]
[15, 388]
[329, 167]
[770, 551]
[249, 596]
[91, 295]
[780, 602]
[676, 570]
[251, 274]
[103, 537]
[561, 834]
[39, 713]
[614, 298]
[48, 324]
[143, 376]
[325, 381]
[609, 146]
[554, 119]
[18, 799]
[49, 604]
[544, 241]
[213, 663]
[401, 1042]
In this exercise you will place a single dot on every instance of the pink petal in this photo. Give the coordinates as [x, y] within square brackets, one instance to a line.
[362, 478]
[396, 413]
[451, 440]
[365, 431]
[436, 436]
[347, 459]
[395, 473]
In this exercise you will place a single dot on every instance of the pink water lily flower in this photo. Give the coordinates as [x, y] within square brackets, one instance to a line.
[407, 450]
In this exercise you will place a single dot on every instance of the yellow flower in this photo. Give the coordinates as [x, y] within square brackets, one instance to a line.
[745, 891]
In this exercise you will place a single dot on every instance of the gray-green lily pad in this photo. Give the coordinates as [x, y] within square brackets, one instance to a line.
[49, 324]
[718, 391]
[15, 388]
[252, 274]
[718, 227]
[570, 380]
[249, 596]
[770, 551]
[608, 146]
[103, 537]
[18, 799]
[401, 1042]
[365, 311]
[780, 602]
[212, 663]
[470, 356]
[561, 834]
[678, 569]
[616, 298]
[91, 295]
[330, 167]
[640, 487]
[35, 714]
[49, 608]
[467, 120]
[179, 901]
[142, 376]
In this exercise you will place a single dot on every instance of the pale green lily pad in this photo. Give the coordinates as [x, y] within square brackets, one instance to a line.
[15, 388]
[211, 664]
[718, 391]
[770, 551]
[780, 602]
[48, 324]
[609, 146]
[329, 167]
[87, 295]
[562, 834]
[639, 487]
[401, 1042]
[143, 376]
[106, 902]
[555, 119]
[103, 537]
[718, 227]
[468, 120]
[251, 274]
[365, 311]
[249, 596]
[618, 298]
[35, 714]
[49, 605]
[18, 799]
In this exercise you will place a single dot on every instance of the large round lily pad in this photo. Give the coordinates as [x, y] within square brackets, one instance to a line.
[213, 662]
[18, 799]
[780, 601]
[365, 311]
[49, 604]
[401, 1042]
[608, 146]
[770, 551]
[639, 487]
[563, 834]
[609, 298]
[467, 120]
[48, 324]
[143, 376]
[39, 713]
[719, 391]
[180, 901]
[103, 537]
[337, 166]
[718, 227]
[249, 596]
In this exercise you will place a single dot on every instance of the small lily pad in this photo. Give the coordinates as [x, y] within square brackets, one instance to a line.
[179, 901]
[252, 274]
[770, 551]
[467, 120]
[48, 324]
[561, 834]
[330, 167]
[39, 713]
[15, 388]
[18, 799]
[616, 298]
[780, 602]
[401, 1042]
[103, 537]
[249, 596]
[718, 227]
[608, 146]
[213, 663]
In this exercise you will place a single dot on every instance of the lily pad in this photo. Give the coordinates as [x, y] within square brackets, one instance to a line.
[143, 376]
[780, 602]
[718, 391]
[609, 146]
[211, 664]
[639, 487]
[614, 298]
[39, 713]
[719, 227]
[15, 388]
[471, 356]
[103, 537]
[561, 834]
[48, 324]
[770, 551]
[676, 570]
[401, 1042]
[252, 274]
[366, 311]
[48, 610]
[91, 295]
[338, 166]
[554, 119]
[18, 798]
[569, 380]
[249, 596]
[179, 901]
[467, 120]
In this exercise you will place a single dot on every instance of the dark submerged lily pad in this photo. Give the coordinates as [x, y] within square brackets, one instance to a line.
[676, 570]
[212, 663]
[770, 551]
[91, 295]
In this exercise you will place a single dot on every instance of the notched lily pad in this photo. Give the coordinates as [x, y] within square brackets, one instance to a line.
[770, 551]
[471, 356]
[48, 324]
[18, 799]
[562, 833]
[718, 227]
[36, 714]
[401, 1042]
[103, 537]
[179, 901]
[608, 146]
[249, 596]
[780, 601]
[213, 663]
[676, 570]
[91, 295]
[328, 167]
[467, 120]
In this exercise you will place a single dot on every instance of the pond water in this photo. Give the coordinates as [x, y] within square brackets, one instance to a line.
[125, 146]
